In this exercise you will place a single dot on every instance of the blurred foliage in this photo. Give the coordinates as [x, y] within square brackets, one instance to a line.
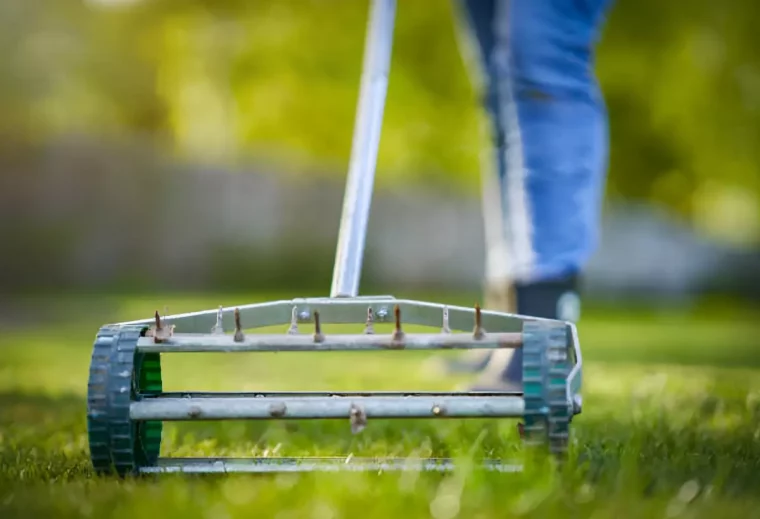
[230, 80]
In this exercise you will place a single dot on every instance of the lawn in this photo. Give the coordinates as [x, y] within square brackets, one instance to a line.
[670, 428]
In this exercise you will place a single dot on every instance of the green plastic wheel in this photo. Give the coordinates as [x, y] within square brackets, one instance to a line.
[119, 375]
[546, 367]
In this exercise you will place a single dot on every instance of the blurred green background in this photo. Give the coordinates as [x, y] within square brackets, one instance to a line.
[197, 144]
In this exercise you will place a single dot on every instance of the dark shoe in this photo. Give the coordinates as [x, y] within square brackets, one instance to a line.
[557, 299]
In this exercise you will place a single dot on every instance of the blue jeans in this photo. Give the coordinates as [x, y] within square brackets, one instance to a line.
[550, 127]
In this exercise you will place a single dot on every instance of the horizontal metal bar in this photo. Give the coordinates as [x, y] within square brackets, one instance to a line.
[291, 394]
[342, 311]
[340, 342]
[327, 464]
[247, 408]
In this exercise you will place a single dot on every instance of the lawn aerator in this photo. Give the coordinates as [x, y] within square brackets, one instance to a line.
[126, 405]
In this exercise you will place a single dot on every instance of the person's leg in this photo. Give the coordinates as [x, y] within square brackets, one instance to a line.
[555, 155]
[477, 41]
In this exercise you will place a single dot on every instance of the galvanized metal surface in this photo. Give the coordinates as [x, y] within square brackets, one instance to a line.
[343, 342]
[326, 464]
[316, 407]
[290, 394]
[355, 310]
[366, 140]
[341, 311]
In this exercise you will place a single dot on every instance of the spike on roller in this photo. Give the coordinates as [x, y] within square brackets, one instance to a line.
[218, 328]
[293, 330]
[445, 327]
[160, 331]
[358, 419]
[318, 335]
[369, 328]
[398, 333]
[478, 332]
[238, 337]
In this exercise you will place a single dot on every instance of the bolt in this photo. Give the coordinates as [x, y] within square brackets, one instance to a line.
[304, 315]
[382, 314]
[437, 411]
[194, 411]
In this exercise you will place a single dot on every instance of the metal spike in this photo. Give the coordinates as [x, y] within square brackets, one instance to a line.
[369, 328]
[218, 328]
[293, 330]
[160, 331]
[478, 332]
[398, 334]
[239, 337]
[445, 328]
[358, 419]
[318, 335]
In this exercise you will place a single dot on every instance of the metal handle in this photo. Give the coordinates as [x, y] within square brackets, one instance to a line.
[366, 139]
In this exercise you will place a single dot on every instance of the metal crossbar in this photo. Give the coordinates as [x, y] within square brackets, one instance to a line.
[313, 464]
[318, 407]
[206, 331]
[343, 342]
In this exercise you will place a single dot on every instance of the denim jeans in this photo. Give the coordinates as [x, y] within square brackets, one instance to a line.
[549, 123]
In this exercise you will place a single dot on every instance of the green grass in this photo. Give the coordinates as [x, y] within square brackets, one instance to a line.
[671, 427]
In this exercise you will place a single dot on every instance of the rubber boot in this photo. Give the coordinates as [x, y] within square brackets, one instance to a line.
[556, 299]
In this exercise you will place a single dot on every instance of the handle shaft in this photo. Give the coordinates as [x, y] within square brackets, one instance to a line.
[366, 139]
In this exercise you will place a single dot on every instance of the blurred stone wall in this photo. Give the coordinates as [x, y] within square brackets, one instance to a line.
[84, 215]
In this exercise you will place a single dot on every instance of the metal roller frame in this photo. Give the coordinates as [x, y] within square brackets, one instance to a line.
[126, 405]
